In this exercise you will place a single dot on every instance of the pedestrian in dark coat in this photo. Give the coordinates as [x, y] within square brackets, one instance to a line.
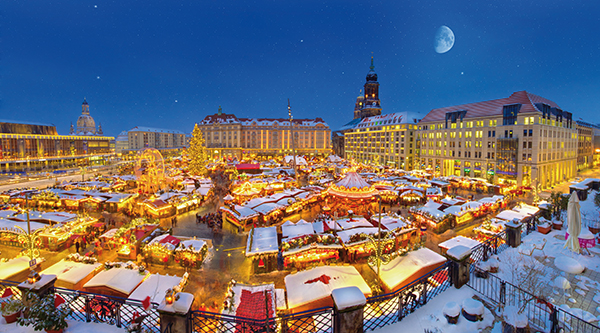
[77, 246]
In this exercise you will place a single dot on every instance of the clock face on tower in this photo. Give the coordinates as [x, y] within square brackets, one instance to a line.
[374, 103]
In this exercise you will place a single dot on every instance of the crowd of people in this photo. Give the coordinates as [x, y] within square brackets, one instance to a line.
[212, 220]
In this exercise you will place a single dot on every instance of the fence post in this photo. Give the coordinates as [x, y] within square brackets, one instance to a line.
[458, 257]
[513, 234]
[503, 292]
[41, 287]
[349, 307]
[554, 320]
[176, 314]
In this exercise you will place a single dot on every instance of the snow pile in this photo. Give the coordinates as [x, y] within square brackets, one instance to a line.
[562, 283]
[348, 297]
[451, 309]
[473, 307]
[568, 265]
[431, 316]
[513, 317]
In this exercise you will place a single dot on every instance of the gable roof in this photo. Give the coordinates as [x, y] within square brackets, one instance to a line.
[492, 107]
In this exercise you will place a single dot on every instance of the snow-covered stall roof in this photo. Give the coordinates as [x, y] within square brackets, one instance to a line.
[71, 272]
[401, 268]
[241, 212]
[267, 208]
[390, 222]
[526, 209]
[10, 224]
[122, 280]
[261, 241]
[346, 234]
[459, 240]
[155, 286]
[353, 223]
[314, 284]
[292, 230]
[14, 266]
[510, 215]
[192, 244]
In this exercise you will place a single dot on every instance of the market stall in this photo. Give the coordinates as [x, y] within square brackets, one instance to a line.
[117, 281]
[403, 270]
[262, 247]
[191, 252]
[155, 286]
[312, 288]
[72, 274]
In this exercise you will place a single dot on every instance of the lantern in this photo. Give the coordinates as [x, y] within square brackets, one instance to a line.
[169, 296]
[33, 277]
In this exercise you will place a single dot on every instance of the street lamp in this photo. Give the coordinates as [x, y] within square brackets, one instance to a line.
[379, 256]
[31, 240]
[292, 138]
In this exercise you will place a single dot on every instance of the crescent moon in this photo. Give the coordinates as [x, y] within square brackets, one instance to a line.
[444, 40]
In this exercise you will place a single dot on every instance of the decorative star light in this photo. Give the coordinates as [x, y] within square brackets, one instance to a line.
[31, 241]
[378, 256]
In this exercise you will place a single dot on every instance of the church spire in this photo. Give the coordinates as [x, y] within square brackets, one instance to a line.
[372, 66]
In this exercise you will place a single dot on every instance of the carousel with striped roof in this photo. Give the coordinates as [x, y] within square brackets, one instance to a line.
[352, 193]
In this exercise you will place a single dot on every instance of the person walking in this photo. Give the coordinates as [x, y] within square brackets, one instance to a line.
[77, 246]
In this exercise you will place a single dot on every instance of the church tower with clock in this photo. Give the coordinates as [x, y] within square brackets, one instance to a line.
[371, 106]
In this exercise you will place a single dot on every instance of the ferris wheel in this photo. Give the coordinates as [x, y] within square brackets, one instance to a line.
[149, 170]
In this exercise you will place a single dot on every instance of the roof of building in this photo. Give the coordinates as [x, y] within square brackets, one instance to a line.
[493, 107]
[156, 130]
[391, 118]
[232, 119]
[21, 122]
[586, 124]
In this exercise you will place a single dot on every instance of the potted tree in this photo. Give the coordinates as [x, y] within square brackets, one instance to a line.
[543, 226]
[44, 315]
[11, 310]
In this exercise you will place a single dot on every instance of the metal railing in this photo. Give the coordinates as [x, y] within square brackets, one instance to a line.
[90, 307]
[316, 320]
[491, 246]
[390, 308]
[540, 313]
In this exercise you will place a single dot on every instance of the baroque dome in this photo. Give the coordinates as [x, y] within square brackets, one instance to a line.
[85, 123]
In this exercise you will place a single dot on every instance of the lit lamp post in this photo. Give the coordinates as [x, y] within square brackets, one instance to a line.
[31, 240]
[379, 256]
[292, 138]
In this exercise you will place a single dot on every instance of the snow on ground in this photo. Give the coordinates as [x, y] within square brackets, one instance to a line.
[74, 327]
[431, 317]
[547, 254]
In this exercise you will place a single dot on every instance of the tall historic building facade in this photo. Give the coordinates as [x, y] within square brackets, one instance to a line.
[523, 140]
[229, 136]
[367, 105]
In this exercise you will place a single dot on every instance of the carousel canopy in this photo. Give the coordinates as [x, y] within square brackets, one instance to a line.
[352, 186]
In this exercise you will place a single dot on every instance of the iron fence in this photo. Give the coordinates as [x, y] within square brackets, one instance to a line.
[90, 307]
[390, 308]
[318, 320]
[540, 313]
[112, 310]
[6, 284]
[490, 246]
[314, 321]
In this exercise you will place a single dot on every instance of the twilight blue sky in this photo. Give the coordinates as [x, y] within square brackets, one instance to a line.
[167, 64]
